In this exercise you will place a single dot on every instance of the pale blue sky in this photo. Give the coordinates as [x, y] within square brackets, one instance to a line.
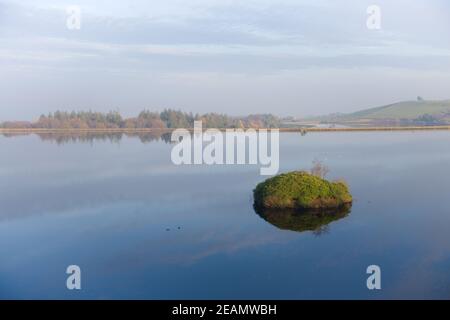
[285, 57]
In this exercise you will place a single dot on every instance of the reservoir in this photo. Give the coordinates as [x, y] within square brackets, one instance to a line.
[140, 227]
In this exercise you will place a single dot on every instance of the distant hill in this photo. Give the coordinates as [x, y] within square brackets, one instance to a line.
[420, 112]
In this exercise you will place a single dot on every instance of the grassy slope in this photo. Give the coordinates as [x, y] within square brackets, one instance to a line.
[405, 110]
[401, 110]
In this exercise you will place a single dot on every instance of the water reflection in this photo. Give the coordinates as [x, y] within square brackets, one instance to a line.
[107, 208]
[88, 137]
[317, 221]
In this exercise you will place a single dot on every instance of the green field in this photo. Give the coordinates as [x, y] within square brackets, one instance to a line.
[405, 110]
[412, 111]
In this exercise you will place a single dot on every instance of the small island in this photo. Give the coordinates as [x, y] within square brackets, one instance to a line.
[302, 191]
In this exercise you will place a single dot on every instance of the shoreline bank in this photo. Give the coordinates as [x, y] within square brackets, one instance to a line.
[149, 130]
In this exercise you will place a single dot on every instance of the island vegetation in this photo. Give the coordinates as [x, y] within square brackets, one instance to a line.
[302, 190]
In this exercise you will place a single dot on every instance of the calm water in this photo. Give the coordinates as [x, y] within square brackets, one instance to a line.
[141, 227]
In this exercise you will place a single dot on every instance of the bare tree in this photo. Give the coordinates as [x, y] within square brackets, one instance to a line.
[321, 231]
[319, 169]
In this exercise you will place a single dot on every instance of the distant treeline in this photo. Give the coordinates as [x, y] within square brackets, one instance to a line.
[166, 119]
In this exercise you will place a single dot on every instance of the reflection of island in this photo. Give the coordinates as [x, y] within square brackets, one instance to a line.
[300, 221]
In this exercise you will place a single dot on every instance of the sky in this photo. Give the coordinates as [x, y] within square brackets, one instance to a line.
[286, 57]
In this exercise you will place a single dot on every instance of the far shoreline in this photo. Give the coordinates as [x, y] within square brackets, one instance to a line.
[168, 130]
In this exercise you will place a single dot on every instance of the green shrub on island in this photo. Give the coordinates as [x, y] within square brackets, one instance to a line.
[301, 190]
